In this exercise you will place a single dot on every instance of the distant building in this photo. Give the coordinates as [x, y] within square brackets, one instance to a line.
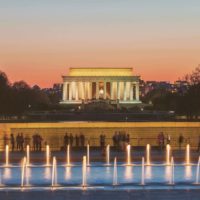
[114, 84]
[152, 85]
[178, 86]
[56, 89]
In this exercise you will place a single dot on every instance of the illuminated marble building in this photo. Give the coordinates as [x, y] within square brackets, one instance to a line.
[93, 84]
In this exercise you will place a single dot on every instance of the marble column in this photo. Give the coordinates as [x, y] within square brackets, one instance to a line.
[131, 91]
[64, 91]
[89, 90]
[125, 87]
[76, 91]
[111, 91]
[118, 90]
[82, 90]
[79, 91]
[73, 90]
[137, 93]
[105, 90]
[97, 90]
[86, 90]
[70, 91]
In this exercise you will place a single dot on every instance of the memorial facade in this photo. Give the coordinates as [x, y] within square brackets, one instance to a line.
[91, 84]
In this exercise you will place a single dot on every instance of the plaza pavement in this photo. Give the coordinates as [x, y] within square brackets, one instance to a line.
[102, 195]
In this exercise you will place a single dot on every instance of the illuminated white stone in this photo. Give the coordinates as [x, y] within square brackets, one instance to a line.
[86, 84]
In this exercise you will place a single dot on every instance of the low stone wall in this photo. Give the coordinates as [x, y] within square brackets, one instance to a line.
[141, 133]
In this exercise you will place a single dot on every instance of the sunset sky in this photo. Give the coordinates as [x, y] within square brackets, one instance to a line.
[41, 39]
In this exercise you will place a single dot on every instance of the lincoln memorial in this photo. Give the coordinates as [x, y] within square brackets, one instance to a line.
[92, 84]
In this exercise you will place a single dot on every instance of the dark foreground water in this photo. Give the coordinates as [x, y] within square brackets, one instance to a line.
[102, 195]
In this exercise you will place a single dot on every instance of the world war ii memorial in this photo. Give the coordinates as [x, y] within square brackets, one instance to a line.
[99, 100]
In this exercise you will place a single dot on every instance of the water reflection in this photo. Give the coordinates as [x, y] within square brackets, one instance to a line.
[128, 173]
[168, 173]
[108, 170]
[88, 169]
[148, 173]
[68, 173]
[28, 175]
[0, 178]
[47, 173]
[7, 173]
[188, 172]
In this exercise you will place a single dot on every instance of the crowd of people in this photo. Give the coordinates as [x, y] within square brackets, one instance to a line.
[37, 142]
[77, 140]
[120, 139]
[102, 139]
[19, 142]
[164, 140]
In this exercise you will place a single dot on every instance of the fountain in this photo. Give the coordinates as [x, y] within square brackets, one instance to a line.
[47, 155]
[54, 173]
[148, 162]
[88, 154]
[84, 172]
[28, 155]
[101, 175]
[108, 154]
[68, 155]
[171, 182]
[143, 173]
[23, 172]
[128, 149]
[115, 182]
[197, 172]
[27, 173]
[188, 154]
[7, 156]
[168, 152]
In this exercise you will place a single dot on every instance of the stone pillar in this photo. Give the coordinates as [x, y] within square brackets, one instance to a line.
[82, 90]
[111, 91]
[91, 89]
[85, 91]
[70, 91]
[131, 91]
[79, 91]
[76, 91]
[125, 87]
[105, 90]
[137, 92]
[97, 90]
[118, 90]
[64, 91]
[73, 90]
[88, 90]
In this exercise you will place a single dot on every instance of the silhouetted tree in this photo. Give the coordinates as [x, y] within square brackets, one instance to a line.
[5, 94]
[20, 97]
[194, 77]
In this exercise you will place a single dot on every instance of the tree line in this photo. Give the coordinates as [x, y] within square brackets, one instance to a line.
[19, 97]
[183, 103]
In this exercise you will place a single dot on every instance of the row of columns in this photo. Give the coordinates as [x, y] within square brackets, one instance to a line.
[83, 90]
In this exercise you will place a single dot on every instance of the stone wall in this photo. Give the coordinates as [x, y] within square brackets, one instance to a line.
[141, 133]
